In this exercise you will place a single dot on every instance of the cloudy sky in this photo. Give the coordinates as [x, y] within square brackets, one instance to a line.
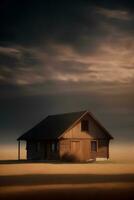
[62, 56]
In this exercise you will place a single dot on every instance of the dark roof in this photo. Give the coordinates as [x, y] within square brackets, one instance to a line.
[53, 126]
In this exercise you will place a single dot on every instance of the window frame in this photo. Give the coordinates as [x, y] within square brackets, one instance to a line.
[54, 147]
[96, 145]
[84, 123]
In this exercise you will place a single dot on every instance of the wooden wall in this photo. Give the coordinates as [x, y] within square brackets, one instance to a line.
[74, 149]
[84, 152]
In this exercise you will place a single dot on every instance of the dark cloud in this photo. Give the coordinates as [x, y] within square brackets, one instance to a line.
[76, 24]
[67, 22]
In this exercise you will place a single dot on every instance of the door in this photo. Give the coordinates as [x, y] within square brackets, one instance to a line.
[75, 149]
[94, 149]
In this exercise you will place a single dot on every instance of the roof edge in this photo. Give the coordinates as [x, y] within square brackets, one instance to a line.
[110, 136]
[73, 124]
[87, 112]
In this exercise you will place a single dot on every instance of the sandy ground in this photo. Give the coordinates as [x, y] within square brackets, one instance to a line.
[101, 168]
[66, 181]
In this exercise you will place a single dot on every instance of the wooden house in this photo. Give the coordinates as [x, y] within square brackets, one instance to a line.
[76, 136]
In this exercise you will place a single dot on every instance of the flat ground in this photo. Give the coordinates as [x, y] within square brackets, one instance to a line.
[66, 181]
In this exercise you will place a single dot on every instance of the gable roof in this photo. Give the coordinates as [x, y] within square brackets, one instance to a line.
[53, 126]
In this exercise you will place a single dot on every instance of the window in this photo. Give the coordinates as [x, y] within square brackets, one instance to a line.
[94, 146]
[53, 147]
[84, 125]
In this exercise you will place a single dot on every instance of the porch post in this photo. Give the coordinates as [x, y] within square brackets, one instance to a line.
[18, 149]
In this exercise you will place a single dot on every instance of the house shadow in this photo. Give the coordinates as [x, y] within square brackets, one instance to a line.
[50, 179]
[58, 180]
[65, 160]
[16, 161]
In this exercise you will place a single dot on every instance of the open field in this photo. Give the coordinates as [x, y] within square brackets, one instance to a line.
[66, 180]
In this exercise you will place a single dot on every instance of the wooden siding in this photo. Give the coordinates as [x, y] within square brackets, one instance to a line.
[42, 153]
[74, 149]
[68, 151]
[75, 132]
[102, 150]
[95, 131]
[84, 153]
[31, 151]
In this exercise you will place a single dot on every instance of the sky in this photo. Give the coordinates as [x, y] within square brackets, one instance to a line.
[65, 56]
